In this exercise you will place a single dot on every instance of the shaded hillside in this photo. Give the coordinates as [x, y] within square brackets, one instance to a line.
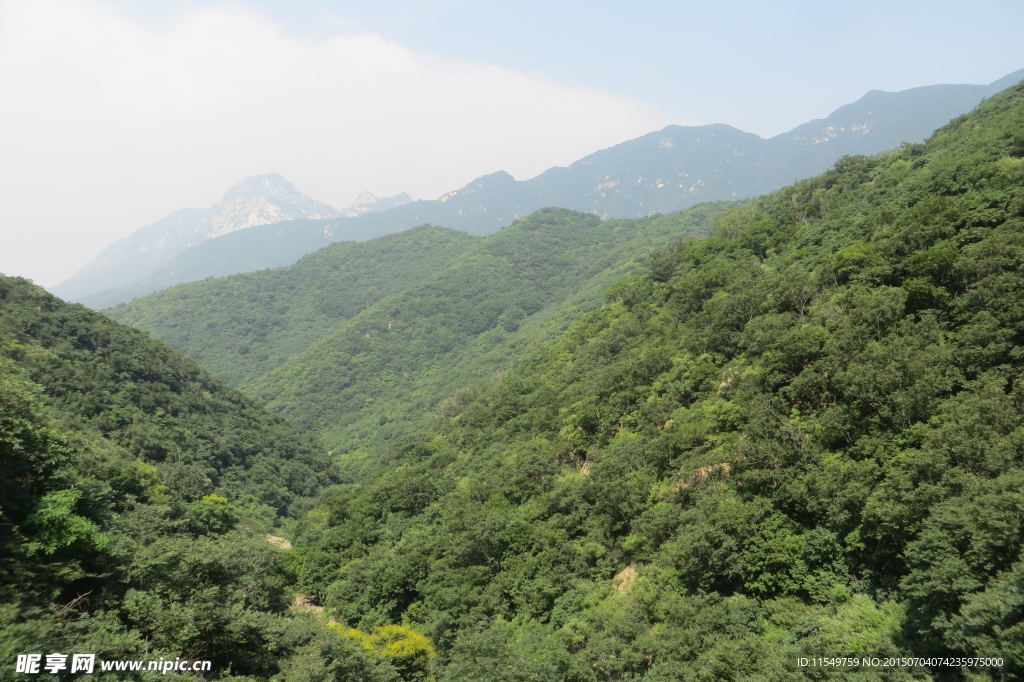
[663, 171]
[802, 436]
[135, 496]
[111, 380]
[243, 326]
[381, 373]
[361, 341]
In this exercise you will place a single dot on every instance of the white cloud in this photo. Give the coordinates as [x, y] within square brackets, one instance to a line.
[107, 125]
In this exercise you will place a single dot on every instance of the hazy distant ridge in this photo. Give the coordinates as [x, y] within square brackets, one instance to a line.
[258, 200]
[666, 170]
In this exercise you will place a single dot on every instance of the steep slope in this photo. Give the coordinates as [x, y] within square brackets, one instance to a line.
[380, 373]
[241, 327]
[259, 200]
[663, 171]
[121, 385]
[801, 437]
[135, 498]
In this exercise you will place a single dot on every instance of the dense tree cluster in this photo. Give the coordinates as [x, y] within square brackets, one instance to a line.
[801, 436]
[360, 342]
[243, 326]
[134, 503]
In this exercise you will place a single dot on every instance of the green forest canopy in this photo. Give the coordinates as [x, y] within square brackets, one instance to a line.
[360, 342]
[801, 436]
[135, 499]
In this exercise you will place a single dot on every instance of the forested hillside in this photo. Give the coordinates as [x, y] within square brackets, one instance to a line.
[321, 343]
[382, 373]
[802, 436]
[243, 326]
[134, 502]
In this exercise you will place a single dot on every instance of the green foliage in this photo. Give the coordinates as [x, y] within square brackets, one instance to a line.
[243, 326]
[507, 652]
[801, 436]
[314, 653]
[361, 342]
[53, 524]
[112, 539]
[123, 388]
[382, 374]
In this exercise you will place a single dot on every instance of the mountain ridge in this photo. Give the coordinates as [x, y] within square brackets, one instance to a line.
[360, 324]
[256, 200]
[659, 172]
[801, 434]
[266, 316]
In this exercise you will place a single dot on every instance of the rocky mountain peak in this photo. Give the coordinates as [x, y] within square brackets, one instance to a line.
[256, 200]
[257, 185]
[260, 200]
[366, 197]
[368, 202]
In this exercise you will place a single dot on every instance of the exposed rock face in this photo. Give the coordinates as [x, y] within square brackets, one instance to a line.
[368, 202]
[261, 200]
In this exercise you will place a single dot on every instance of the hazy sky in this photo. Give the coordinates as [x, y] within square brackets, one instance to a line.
[115, 113]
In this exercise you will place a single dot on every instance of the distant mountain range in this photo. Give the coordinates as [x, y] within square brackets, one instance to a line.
[663, 171]
[259, 200]
[368, 202]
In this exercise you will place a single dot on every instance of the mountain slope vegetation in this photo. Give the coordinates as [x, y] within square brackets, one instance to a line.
[802, 436]
[241, 327]
[135, 497]
[320, 343]
[137, 393]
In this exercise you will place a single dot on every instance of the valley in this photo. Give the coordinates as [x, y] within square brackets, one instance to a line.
[614, 436]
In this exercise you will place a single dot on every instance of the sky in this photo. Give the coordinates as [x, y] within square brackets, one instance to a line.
[114, 113]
